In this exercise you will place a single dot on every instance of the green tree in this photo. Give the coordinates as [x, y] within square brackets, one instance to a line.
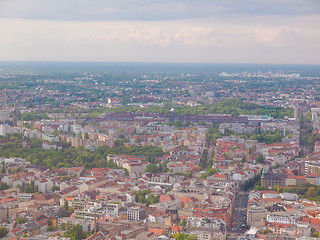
[266, 231]
[4, 186]
[66, 205]
[152, 168]
[63, 226]
[184, 236]
[192, 237]
[183, 222]
[50, 225]
[260, 159]
[3, 168]
[76, 233]
[3, 232]
[244, 159]
[21, 220]
[55, 188]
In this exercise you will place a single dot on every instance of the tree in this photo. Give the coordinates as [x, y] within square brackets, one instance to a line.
[259, 159]
[55, 188]
[244, 159]
[63, 226]
[21, 220]
[3, 232]
[266, 231]
[311, 192]
[184, 236]
[75, 233]
[3, 168]
[4, 186]
[66, 205]
[78, 233]
[192, 237]
[152, 168]
[183, 222]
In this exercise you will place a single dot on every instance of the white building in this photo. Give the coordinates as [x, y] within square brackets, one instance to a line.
[44, 184]
[4, 115]
[112, 209]
[136, 214]
[76, 128]
[281, 218]
[5, 129]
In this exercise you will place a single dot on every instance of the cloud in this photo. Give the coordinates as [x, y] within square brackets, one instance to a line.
[256, 39]
[151, 10]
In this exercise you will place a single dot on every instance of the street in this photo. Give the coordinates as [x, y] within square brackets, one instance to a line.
[239, 216]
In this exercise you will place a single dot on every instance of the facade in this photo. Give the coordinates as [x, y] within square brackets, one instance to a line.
[44, 185]
[270, 179]
[136, 214]
[4, 115]
[214, 119]
[281, 218]
[4, 129]
[86, 224]
[8, 211]
[256, 216]
[312, 167]
[78, 203]
[112, 210]
[212, 234]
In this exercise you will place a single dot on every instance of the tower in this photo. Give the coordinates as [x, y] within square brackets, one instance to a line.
[297, 113]
[172, 115]
[14, 120]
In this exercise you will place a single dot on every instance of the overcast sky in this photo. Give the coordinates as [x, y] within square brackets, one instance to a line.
[214, 31]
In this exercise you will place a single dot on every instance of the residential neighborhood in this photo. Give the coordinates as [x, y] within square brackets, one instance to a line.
[202, 167]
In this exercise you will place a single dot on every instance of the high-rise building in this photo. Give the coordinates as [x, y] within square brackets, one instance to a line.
[136, 214]
[172, 115]
[4, 115]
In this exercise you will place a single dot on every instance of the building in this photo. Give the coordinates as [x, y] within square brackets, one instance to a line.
[312, 167]
[78, 203]
[112, 209]
[270, 179]
[222, 213]
[281, 218]
[4, 129]
[136, 214]
[4, 115]
[86, 224]
[172, 115]
[8, 211]
[256, 216]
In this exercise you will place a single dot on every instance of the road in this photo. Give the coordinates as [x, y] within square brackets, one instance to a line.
[239, 216]
[210, 149]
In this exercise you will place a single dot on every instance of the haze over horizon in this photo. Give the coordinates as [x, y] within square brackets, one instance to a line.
[230, 31]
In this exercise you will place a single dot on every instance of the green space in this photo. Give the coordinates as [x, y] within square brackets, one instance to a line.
[70, 156]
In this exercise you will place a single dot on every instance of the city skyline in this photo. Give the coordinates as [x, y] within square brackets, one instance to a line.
[280, 32]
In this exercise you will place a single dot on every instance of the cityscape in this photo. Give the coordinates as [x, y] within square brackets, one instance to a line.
[197, 155]
[159, 120]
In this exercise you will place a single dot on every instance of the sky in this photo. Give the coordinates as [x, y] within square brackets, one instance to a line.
[193, 31]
